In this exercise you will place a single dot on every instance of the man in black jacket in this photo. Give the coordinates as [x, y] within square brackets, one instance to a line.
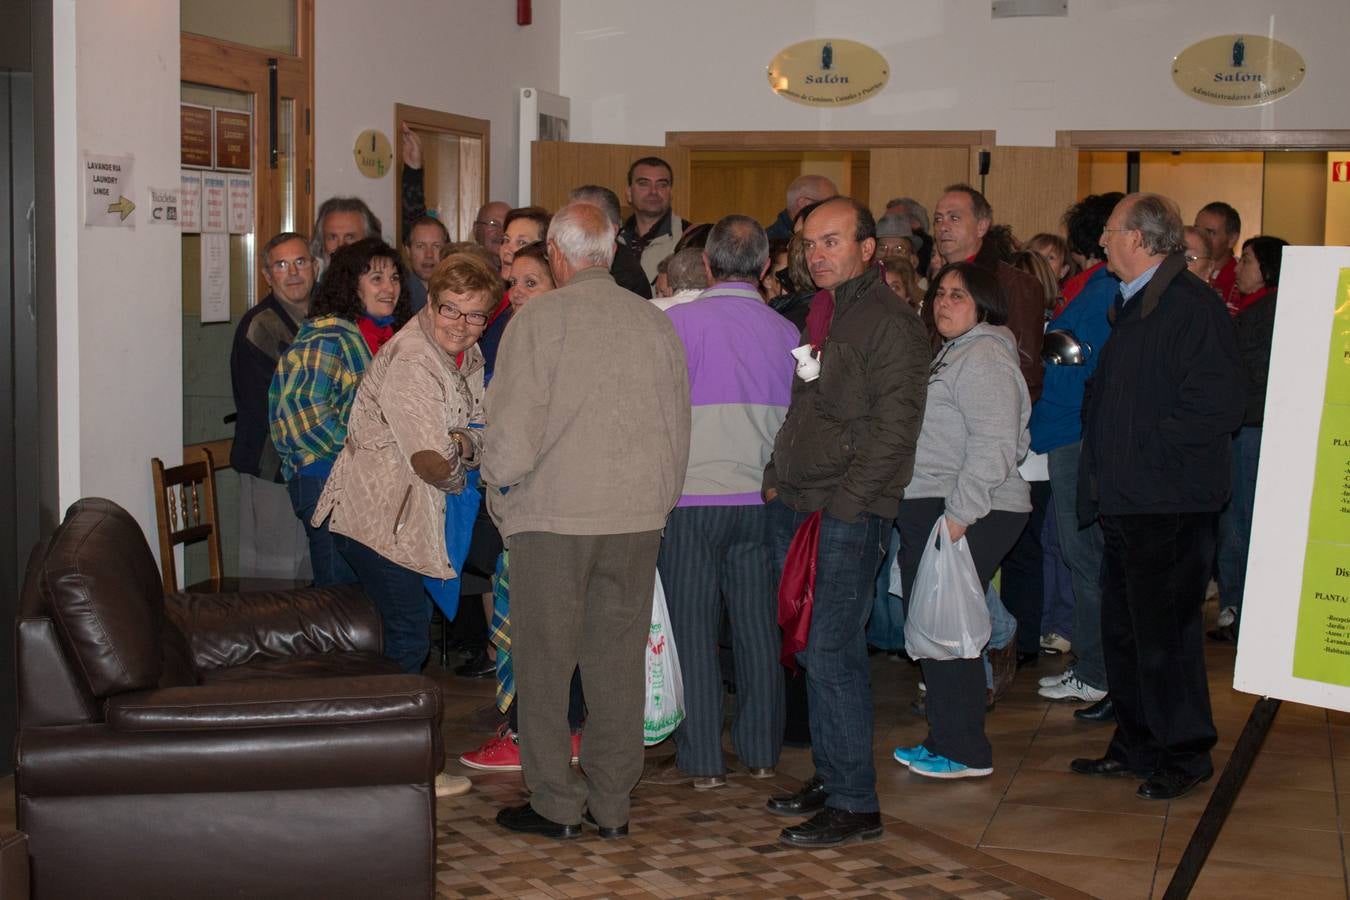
[1158, 417]
[846, 450]
[272, 542]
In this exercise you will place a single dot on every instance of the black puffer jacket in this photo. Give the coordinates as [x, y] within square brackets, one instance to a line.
[1255, 327]
[847, 445]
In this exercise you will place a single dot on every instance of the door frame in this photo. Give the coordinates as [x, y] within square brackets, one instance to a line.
[426, 119]
[1308, 139]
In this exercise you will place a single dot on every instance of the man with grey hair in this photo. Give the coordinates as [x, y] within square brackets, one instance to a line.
[1158, 417]
[341, 221]
[686, 276]
[626, 268]
[716, 549]
[584, 456]
[801, 193]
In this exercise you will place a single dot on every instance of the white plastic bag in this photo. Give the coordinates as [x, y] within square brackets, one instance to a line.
[948, 617]
[664, 709]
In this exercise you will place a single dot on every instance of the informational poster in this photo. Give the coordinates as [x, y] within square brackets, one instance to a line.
[234, 140]
[215, 277]
[241, 203]
[1294, 642]
[215, 200]
[163, 206]
[190, 201]
[194, 135]
[109, 186]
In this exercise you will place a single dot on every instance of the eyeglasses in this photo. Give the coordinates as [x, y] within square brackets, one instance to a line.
[450, 314]
[299, 264]
[1191, 257]
[487, 223]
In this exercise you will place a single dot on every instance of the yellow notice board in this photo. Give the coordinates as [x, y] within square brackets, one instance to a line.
[1295, 638]
[1322, 649]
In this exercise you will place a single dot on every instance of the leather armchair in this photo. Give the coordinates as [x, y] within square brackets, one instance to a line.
[213, 745]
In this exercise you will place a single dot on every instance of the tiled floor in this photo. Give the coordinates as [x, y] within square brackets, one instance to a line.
[1031, 829]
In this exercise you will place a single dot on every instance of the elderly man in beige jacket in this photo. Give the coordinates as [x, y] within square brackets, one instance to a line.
[584, 456]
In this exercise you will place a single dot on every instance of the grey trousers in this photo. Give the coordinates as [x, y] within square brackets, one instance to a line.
[581, 600]
[712, 555]
[272, 541]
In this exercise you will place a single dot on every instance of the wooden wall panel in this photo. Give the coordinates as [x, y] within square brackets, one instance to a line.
[1193, 179]
[751, 184]
[559, 166]
[918, 172]
[1029, 187]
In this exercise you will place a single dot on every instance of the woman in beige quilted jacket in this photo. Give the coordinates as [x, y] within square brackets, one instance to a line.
[409, 443]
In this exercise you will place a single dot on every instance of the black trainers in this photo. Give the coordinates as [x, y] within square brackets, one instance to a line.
[831, 826]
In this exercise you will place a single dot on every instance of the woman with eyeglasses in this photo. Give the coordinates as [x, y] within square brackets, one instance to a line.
[361, 301]
[409, 443]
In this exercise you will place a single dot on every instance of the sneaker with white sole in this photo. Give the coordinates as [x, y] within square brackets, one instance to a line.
[1227, 616]
[1072, 689]
[905, 756]
[1054, 643]
[1052, 680]
[451, 785]
[933, 766]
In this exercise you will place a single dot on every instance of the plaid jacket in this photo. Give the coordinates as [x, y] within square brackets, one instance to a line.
[312, 390]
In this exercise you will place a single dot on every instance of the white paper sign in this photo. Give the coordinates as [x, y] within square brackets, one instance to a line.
[215, 200]
[164, 206]
[190, 201]
[215, 277]
[108, 189]
[241, 203]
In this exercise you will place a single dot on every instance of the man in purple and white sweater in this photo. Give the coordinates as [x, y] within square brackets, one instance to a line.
[716, 546]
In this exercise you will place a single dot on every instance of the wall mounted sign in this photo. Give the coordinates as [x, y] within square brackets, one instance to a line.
[234, 140]
[109, 186]
[215, 202]
[190, 201]
[1238, 70]
[194, 135]
[828, 72]
[373, 153]
[163, 206]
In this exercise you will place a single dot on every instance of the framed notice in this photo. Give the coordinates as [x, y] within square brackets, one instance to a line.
[215, 278]
[194, 135]
[234, 140]
[215, 199]
[190, 201]
[1295, 638]
[240, 191]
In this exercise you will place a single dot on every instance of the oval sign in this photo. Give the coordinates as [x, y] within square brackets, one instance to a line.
[1238, 70]
[828, 72]
[372, 153]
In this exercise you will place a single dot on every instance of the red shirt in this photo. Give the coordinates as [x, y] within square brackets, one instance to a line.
[1225, 282]
[1073, 287]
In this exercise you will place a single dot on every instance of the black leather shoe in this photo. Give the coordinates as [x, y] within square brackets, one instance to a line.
[477, 667]
[809, 799]
[1169, 784]
[1101, 711]
[1104, 766]
[606, 832]
[833, 826]
[526, 821]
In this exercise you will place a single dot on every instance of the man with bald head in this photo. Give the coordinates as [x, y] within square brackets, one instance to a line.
[584, 457]
[846, 451]
[804, 190]
[489, 226]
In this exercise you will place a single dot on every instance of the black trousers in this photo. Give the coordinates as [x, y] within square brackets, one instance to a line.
[955, 687]
[1154, 574]
[1023, 582]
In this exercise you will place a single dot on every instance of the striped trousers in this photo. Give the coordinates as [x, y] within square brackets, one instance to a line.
[714, 558]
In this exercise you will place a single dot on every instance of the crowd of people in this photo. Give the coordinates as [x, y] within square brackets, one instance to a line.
[1083, 410]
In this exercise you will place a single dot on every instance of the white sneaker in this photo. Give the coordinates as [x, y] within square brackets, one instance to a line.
[1055, 643]
[1227, 616]
[1052, 680]
[451, 785]
[1072, 689]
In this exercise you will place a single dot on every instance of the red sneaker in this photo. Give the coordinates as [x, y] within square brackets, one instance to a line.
[576, 747]
[499, 754]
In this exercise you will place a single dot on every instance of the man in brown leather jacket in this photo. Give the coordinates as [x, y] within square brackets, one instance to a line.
[846, 449]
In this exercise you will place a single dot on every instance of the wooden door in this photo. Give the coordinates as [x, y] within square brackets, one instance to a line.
[1029, 187]
[918, 172]
[559, 166]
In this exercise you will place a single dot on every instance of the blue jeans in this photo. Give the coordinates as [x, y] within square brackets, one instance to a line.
[329, 566]
[1082, 551]
[838, 678]
[402, 600]
[1235, 524]
[1002, 629]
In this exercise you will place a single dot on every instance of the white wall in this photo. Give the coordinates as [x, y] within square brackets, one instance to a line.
[700, 66]
[118, 309]
[467, 57]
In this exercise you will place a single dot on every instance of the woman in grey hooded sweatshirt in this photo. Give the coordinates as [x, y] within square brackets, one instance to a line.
[965, 468]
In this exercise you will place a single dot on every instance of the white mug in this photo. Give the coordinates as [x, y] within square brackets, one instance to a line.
[808, 363]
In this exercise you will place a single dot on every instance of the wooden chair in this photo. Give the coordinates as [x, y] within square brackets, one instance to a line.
[186, 513]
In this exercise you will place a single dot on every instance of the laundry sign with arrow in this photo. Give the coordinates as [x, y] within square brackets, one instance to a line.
[108, 189]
